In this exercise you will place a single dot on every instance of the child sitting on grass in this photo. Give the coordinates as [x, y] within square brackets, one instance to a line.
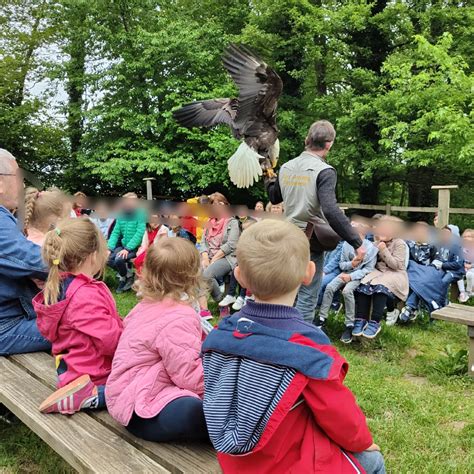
[156, 383]
[77, 314]
[274, 396]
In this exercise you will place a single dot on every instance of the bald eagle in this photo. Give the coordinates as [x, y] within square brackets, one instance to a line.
[251, 116]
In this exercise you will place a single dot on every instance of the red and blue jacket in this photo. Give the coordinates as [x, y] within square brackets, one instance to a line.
[274, 396]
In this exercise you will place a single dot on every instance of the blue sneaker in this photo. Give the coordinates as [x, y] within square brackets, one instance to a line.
[359, 325]
[407, 314]
[372, 329]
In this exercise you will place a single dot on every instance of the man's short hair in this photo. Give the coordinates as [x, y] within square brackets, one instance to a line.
[130, 195]
[273, 256]
[320, 133]
[5, 161]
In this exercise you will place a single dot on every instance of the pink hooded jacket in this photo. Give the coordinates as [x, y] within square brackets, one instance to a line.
[84, 328]
[157, 360]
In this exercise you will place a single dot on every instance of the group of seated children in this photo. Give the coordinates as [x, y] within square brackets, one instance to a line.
[415, 267]
[268, 391]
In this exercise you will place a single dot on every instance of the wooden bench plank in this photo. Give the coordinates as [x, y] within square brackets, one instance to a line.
[83, 442]
[455, 313]
[176, 457]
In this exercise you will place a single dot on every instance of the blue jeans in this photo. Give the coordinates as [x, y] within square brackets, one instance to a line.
[325, 282]
[371, 461]
[308, 295]
[119, 263]
[23, 337]
[413, 300]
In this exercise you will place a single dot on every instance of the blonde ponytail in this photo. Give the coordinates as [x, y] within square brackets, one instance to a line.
[52, 256]
[66, 248]
[31, 195]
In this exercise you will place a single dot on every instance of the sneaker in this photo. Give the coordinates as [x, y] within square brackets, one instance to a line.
[75, 396]
[463, 297]
[222, 288]
[128, 284]
[321, 324]
[359, 326]
[205, 314]
[122, 283]
[346, 337]
[249, 298]
[227, 300]
[392, 317]
[405, 315]
[371, 329]
[239, 304]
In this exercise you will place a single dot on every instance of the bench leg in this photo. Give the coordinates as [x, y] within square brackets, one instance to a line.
[470, 333]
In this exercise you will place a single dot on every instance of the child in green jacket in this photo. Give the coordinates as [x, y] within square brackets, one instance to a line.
[125, 239]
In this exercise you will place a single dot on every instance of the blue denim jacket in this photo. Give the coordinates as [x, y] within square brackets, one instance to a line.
[331, 260]
[20, 260]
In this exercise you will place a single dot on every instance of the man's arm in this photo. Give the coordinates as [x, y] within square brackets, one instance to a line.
[19, 257]
[272, 185]
[325, 187]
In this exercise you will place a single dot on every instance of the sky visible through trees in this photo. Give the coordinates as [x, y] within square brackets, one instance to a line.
[87, 90]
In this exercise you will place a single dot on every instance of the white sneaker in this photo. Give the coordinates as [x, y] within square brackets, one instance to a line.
[249, 298]
[463, 297]
[226, 301]
[392, 317]
[222, 287]
[239, 304]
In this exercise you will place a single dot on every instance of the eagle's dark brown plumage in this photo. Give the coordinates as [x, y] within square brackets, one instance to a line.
[251, 116]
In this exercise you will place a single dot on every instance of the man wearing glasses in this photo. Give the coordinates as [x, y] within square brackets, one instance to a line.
[20, 261]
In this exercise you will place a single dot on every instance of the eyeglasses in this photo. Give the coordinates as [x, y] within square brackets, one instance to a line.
[27, 176]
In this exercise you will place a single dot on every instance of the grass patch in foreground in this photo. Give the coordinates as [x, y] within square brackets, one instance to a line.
[422, 418]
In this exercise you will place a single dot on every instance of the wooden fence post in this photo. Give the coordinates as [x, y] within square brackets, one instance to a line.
[149, 189]
[388, 209]
[444, 196]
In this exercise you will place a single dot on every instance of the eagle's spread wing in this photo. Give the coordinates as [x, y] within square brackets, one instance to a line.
[207, 113]
[259, 87]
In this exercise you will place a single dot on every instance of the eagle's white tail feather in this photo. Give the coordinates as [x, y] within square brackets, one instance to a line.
[274, 151]
[244, 166]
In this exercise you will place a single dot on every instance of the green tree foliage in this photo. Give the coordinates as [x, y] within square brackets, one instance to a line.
[394, 76]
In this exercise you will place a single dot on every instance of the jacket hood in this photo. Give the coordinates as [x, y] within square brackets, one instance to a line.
[249, 369]
[49, 317]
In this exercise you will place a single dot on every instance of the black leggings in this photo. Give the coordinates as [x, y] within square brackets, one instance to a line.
[363, 301]
[180, 420]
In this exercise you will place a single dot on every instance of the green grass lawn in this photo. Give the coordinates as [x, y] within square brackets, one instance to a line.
[409, 382]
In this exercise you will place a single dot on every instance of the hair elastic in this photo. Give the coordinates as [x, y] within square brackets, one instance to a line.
[57, 230]
[56, 261]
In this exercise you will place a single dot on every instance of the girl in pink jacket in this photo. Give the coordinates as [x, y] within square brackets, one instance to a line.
[156, 385]
[77, 314]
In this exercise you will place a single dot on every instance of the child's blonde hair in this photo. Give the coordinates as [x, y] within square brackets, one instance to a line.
[42, 204]
[67, 247]
[172, 269]
[273, 256]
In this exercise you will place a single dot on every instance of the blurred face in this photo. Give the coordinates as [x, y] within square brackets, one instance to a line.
[259, 207]
[129, 204]
[154, 221]
[420, 233]
[11, 186]
[102, 211]
[80, 202]
[385, 231]
[445, 236]
[276, 209]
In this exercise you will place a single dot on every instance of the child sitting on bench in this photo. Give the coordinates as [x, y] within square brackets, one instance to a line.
[274, 397]
[156, 383]
[77, 314]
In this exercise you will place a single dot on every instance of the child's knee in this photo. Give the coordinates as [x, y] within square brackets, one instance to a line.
[371, 461]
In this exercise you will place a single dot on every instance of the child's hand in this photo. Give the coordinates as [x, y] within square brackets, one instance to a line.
[345, 277]
[382, 245]
[373, 447]
[123, 254]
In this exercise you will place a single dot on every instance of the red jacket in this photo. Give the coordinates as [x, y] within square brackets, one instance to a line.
[293, 381]
[84, 329]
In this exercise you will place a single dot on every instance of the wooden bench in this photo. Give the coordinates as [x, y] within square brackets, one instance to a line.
[460, 314]
[90, 441]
